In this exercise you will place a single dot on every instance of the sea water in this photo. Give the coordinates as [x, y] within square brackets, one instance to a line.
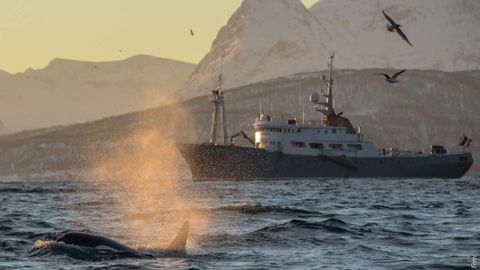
[285, 224]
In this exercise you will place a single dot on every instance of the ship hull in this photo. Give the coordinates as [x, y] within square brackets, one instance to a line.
[214, 162]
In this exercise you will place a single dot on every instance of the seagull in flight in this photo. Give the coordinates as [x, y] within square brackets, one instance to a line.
[191, 32]
[393, 26]
[392, 79]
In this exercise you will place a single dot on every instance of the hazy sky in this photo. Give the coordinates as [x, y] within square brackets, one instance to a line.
[33, 32]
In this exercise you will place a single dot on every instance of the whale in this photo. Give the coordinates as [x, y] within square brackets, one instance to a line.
[101, 243]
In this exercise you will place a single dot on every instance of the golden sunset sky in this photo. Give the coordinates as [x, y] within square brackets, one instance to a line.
[33, 32]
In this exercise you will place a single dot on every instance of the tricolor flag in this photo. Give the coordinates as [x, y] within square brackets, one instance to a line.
[465, 141]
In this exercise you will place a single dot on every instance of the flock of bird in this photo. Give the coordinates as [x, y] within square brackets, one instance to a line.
[392, 26]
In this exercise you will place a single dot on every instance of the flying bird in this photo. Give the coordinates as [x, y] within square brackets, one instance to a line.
[191, 32]
[393, 78]
[393, 26]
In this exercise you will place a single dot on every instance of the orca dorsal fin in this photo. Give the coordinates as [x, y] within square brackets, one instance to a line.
[179, 242]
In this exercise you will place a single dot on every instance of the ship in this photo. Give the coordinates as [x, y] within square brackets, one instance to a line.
[329, 147]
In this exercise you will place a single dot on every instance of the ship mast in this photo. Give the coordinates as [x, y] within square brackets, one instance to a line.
[218, 114]
[329, 104]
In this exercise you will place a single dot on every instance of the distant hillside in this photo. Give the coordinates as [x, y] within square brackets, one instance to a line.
[69, 91]
[427, 107]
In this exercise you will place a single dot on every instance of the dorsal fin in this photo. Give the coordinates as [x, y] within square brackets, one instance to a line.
[180, 240]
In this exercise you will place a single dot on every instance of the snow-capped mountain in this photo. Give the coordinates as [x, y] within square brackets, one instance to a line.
[69, 91]
[270, 38]
[444, 33]
[262, 40]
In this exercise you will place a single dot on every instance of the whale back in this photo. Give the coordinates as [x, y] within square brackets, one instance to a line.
[93, 241]
[178, 244]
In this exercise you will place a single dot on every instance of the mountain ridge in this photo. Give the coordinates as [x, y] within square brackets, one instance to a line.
[68, 91]
[254, 39]
[444, 34]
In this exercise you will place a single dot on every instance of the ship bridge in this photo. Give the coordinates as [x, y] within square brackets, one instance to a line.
[291, 137]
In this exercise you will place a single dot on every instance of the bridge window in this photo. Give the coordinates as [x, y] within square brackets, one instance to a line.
[354, 147]
[334, 131]
[336, 146]
[316, 145]
[298, 144]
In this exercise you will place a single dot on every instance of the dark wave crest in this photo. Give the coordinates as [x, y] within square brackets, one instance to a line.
[331, 225]
[257, 209]
[37, 190]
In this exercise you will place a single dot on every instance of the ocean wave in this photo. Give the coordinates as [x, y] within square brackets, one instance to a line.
[402, 217]
[462, 212]
[95, 203]
[398, 206]
[438, 266]
[331, 225]
[257, 209]
[229, 240]
[45, 247]
[37, 190]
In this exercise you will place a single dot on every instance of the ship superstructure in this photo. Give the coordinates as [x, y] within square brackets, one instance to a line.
[330, 147]
[334, 135]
